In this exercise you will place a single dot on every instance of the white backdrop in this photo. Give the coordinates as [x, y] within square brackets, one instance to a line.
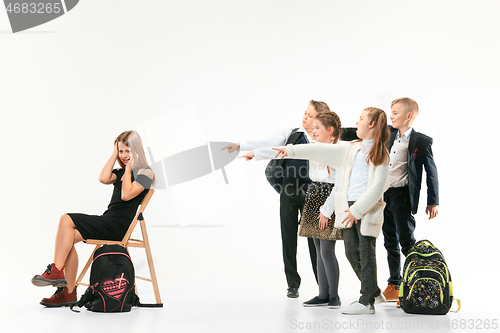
[248, 68]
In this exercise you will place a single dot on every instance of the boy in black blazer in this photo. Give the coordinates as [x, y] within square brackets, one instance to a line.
[292, 196]
[410, 152]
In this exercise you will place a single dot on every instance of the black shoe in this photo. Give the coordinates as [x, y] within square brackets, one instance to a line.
[334, 303]
[293, 292]
[316, 301]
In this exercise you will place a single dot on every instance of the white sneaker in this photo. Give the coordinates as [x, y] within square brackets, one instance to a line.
[357, 308]
[380, 299]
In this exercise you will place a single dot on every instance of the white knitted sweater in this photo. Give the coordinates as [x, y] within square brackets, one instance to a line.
[370, 206]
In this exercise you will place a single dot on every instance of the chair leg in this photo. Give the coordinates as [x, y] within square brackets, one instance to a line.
[135, 284]
[86, 268]
[150, 261]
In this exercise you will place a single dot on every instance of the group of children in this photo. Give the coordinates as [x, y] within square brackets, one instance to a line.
[353, 191]
[350, 191]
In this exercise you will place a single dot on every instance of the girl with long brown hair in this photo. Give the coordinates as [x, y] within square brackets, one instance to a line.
[362, 167]
[131, 183]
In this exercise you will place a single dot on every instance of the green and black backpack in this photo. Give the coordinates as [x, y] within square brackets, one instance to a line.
[427, 287]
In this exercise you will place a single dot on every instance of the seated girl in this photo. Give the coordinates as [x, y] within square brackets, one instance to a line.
[131, 183]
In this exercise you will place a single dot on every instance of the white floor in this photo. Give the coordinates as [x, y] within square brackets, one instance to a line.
[226, 274]
[212, 281]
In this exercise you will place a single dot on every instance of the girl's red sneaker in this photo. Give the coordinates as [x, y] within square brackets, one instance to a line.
[51, 277]
[60, 298]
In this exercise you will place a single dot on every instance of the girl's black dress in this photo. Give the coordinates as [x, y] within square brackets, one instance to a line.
[114, 223]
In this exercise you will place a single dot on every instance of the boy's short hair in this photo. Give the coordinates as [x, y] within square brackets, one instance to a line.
[409, 104]
[320, 107]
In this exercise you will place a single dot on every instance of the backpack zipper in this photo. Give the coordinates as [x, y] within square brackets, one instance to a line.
[440, 289]
[427, 269]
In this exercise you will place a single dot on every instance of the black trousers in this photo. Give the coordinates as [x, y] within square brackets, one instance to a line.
[291, 203]
[398, 228]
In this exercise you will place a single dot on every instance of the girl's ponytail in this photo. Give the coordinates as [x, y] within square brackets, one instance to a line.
[378, 154]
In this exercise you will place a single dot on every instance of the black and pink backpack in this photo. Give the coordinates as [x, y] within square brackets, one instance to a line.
[112, 282]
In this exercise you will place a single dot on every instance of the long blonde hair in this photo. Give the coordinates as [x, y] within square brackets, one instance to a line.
[133, 140]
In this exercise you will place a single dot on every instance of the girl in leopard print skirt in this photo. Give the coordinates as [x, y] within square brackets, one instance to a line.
[317, 220]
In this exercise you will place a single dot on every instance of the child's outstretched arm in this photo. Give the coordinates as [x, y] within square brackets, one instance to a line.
[260, 154]
[273, 140]
[320, 152]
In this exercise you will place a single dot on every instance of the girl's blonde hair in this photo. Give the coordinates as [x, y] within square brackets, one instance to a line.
[133, 140]
[378, 154]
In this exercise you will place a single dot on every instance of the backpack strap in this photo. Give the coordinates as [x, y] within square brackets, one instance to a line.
[87, 297]
[426, 243]
[150, 305]
[135, 301]
[459, 305]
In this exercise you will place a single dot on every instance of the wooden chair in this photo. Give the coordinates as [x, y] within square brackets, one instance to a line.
[130, 242]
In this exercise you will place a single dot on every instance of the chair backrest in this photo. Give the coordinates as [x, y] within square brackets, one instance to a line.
[140, 210]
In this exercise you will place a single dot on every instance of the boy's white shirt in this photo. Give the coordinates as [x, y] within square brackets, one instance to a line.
[370, 206]
[398, 166]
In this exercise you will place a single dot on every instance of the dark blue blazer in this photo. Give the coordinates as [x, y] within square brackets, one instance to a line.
[419, 157]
